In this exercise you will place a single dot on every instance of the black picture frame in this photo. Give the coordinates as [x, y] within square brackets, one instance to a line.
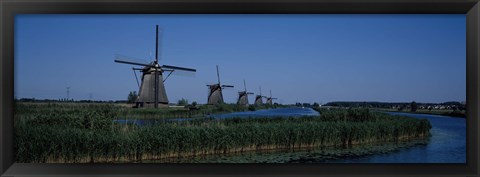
[10, 8]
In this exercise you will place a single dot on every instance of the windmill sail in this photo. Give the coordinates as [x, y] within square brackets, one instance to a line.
[259, 98]
[152, 88]
[270, 99]
[215, 95]
[178, 68]
[243, 96]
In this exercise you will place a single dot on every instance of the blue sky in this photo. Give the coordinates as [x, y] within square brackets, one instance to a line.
[301, 58]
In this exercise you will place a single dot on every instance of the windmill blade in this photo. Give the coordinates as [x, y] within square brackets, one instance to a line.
[131, 59]
[250, 93]
[170, 73]
[123, 59]
[132, 63]
[183, 73]
[177, 72]
[229, 86]
[218, 75]
[156, 88]
[158, 42]
[138, 83]
[245, 85]
[156, 70]
[179, 68]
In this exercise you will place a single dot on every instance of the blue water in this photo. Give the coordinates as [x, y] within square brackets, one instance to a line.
[138, 122]
[447, 144]
[280, 112]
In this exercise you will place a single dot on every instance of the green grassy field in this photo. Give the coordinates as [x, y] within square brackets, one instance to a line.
[85, 133]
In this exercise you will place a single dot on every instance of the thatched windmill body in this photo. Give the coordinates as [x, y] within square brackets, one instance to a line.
[243, 96]
[152, 88]
[259, 98]
[270, 99]
[215, 95]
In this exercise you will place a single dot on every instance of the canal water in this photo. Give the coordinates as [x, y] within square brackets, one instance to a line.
[280, 112]
[446, 145]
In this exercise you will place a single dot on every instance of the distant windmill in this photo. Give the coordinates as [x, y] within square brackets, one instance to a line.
[152, 89]
[243, 96]
[270, 99]
[215, 95]
[259, 98]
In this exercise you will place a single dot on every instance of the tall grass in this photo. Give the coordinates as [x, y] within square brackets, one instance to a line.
[87, 134]
[56, 110]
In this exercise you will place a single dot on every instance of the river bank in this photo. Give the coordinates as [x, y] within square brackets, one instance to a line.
[447, 144]
[450, 113]
[300, 155]
[88, 134]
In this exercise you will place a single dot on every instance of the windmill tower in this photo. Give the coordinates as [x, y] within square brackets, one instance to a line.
[152, 88]
[270, 99]
[243, 96]
[215, 95]
[259, 98]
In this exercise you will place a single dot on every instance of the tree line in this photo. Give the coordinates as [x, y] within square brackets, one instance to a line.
[358, 104]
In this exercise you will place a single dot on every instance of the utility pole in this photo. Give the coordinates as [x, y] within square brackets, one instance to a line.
[68, 93]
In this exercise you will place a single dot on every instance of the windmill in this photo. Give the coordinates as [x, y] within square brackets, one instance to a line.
[270, 99]
[259, 98]
[243, 96]
[215, 95]
[152, 88]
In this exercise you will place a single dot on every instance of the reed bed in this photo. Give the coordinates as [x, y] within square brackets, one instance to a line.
[56, 110]
[87, 134]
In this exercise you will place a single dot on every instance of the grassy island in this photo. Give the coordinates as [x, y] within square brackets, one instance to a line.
[86, 133]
